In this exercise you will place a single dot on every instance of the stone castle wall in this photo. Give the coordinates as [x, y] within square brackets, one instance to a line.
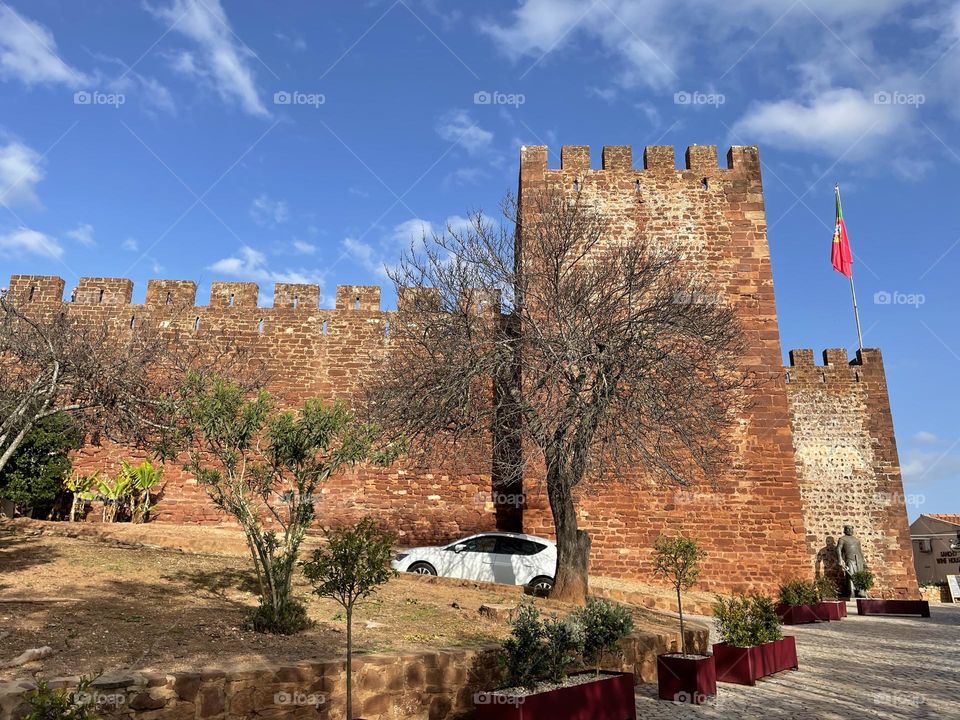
[761, 523]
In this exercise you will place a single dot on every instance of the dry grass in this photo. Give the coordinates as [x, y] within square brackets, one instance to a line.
[153, 608]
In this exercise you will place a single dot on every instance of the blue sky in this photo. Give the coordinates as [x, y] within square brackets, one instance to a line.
[305, 141]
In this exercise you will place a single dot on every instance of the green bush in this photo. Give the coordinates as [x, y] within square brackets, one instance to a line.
[564, 647]
[523, 655]
[604, 624]
[799, 592]
[33, 477]
[747, 621]
[862, 579]
[49, 704]
[826, 588]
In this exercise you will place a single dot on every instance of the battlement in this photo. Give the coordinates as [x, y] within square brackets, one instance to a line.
[741, 159]
[836, 367]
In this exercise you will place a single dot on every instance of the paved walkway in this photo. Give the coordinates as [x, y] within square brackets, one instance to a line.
[860, 667]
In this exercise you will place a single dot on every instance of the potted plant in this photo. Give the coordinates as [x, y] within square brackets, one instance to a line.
[798, 603]
[682, 676]
[538, 655]
[862, 582]
[829, 606]
[752, 642]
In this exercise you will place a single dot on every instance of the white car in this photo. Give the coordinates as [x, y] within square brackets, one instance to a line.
[511, 558]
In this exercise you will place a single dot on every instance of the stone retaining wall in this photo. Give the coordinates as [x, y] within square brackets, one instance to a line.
[435, 685]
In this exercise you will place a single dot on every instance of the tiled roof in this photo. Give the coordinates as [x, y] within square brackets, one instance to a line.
[950, 518]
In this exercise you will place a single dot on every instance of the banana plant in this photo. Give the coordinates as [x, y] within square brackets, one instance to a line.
[114, 494]
[81, 487]
[142, 479]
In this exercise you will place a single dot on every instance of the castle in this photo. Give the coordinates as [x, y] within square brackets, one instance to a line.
[816, 448]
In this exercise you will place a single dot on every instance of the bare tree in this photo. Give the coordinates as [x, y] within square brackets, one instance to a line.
[108, 375]
[576, 355]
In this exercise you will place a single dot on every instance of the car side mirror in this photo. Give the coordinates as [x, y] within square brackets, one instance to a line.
[459, 548]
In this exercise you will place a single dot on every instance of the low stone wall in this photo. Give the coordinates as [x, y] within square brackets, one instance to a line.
[438, 685]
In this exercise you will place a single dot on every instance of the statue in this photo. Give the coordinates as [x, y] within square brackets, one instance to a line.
[851, 558]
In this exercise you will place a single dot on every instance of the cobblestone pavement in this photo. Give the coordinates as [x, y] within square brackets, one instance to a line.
[860, 667]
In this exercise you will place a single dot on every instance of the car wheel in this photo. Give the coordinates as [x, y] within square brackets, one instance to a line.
[541, 586]
[422, 568]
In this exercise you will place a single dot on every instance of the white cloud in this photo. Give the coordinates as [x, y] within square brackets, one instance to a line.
[83, 234]
[220, 59]
[26, 241]
[365, 255]
[250, 264]
[303, 248]
[925, 438]
[841, 121]
[20, 170]
[131, 244]
[458, 127]
[929, 466]
[28, 53]
[268, 212]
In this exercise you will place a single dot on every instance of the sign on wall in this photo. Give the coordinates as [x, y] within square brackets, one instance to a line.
[953, 585]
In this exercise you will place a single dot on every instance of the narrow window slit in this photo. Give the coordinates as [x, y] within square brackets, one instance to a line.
[323, 328]
[196, 325]
[386, 329]
[32, 289]
[169, 298]
[100, 299]
[260, 326]
[296, 300]
[356, 303]
[232, 300]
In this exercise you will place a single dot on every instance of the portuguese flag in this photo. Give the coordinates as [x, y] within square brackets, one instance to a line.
[840, 254]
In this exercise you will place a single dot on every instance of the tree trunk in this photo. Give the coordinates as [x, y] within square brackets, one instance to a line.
[350, 662]
[573, 544]
[683, 637]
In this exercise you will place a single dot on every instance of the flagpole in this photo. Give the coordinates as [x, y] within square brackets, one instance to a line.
[853, 295]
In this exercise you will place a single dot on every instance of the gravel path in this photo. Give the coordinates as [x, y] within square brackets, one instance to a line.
[860, 667]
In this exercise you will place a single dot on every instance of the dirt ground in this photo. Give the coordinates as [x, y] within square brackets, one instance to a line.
[107, 607]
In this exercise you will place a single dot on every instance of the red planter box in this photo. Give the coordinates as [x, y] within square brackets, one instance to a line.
[682, 679]
[744, 666]
[799, 614]
[608, 698]
[871, 606]
[831, 609]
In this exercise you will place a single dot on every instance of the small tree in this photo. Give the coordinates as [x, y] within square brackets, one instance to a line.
[604, 624]
[678, 559]
[354, 563]
[258, 464]
[142, 479]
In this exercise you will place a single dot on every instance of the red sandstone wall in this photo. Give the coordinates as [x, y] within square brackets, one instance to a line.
[751, 522]
[848, 465]
[308, 352]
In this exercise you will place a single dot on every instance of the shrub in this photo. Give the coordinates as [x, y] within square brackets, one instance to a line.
[61, 704]
[351, 567]
[746, 621]
[604, 624]
[564, 647]
[862, 580]
[826, 588]
[523, 655]
[678, 559]
[81, 488]
[33, 476]
[141, 479]
[798, 592]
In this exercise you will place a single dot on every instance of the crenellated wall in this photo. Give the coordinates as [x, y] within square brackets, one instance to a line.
[792, 483]
[848, 466]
